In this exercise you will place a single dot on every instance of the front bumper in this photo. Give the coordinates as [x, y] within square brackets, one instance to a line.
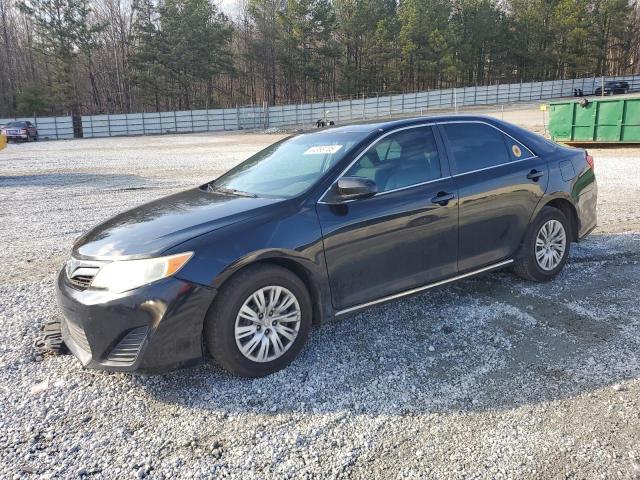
[152, 328]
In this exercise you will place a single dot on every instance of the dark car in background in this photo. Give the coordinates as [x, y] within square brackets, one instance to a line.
[613, 88]
[20, 130]
[317, 226]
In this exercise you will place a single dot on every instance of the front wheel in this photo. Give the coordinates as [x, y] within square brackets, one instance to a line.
[259, 322]
[546, 246]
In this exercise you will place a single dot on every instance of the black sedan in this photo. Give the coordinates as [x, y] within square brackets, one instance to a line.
[316, 226]
[613, 88]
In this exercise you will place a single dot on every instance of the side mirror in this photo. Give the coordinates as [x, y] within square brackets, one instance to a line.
[350, 188]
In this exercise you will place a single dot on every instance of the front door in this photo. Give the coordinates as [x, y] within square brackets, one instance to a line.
[403, 237]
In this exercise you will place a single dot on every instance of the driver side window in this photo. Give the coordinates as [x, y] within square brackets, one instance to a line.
[401, 159]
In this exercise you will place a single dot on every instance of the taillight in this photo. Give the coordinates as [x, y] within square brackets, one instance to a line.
[23, 131]
[589, 159]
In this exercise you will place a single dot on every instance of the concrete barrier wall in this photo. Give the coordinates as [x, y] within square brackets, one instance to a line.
[354, 109]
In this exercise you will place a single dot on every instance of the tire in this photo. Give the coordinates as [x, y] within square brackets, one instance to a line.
[224, 318]
[527, 264]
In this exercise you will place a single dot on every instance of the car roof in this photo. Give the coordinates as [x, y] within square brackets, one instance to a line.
[407, 122]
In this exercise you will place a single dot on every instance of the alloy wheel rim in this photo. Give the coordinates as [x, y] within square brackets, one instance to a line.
[551, 243]
[267, 324]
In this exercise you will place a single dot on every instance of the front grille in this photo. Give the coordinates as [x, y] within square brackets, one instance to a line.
[128, 348]
[77, 335]
[81, 282]
[80, 273]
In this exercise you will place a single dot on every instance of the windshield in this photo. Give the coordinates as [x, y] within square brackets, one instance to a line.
[289, 167]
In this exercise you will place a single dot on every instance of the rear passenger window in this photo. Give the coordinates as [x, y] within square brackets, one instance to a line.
[476, 146]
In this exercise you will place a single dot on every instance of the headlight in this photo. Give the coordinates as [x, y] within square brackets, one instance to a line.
[123, 275]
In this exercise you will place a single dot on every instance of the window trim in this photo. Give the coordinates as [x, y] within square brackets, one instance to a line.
[445, 160]
[452, 157]
[442, 158]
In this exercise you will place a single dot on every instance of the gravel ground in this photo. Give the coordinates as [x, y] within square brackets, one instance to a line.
[492, 377]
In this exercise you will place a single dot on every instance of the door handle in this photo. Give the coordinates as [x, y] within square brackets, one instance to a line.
[534, 175]
[443, 198]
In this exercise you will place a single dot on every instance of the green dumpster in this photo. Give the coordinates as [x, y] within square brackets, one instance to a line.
[605, 120]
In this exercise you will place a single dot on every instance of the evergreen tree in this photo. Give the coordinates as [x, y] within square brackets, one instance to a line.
[115, 56]
[64, 29]
[428, 55]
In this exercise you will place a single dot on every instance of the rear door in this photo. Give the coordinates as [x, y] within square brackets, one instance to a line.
[499, 182]
[403, 237]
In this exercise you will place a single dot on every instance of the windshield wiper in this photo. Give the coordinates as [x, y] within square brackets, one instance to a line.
[232, 191]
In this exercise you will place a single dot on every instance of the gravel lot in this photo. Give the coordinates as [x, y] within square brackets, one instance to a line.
[492, 377]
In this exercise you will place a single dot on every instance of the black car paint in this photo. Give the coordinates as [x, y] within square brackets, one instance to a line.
[391, 242]
[149, 229]
[495, 207]
[347, 254]
[172, 309]
[612, 88]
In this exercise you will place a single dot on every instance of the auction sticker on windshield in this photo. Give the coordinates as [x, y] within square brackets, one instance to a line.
[323, 149]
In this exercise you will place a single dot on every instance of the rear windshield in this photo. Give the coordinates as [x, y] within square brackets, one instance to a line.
[16, 124]
[291, 166]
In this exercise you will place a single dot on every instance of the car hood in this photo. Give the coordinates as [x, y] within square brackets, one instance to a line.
[152, 228]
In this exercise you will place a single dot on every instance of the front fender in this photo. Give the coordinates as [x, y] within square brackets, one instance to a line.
[292, 239]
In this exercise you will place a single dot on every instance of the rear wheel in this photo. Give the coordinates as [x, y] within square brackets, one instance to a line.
[546, 246]
[259, 322]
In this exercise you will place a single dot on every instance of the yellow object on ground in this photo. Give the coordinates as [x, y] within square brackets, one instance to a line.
[3, 141]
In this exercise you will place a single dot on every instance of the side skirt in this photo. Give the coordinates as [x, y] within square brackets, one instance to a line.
[423, 288]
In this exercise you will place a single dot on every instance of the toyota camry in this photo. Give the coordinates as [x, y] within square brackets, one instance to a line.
[316, 226]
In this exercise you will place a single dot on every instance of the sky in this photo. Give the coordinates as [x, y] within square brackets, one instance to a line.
[230, 7]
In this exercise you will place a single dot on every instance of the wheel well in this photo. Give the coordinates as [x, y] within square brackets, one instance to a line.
[301, 273]
[569, 211]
